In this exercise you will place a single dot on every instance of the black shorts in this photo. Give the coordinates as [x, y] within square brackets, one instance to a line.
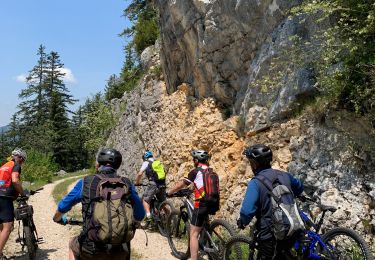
[200, 215]
[6, 210]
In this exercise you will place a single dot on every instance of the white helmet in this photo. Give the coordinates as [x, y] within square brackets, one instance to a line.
[19, 152]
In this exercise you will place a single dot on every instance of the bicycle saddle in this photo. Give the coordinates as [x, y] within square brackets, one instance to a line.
[327, 208]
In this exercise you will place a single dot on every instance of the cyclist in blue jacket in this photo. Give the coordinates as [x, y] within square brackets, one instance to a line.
[257, 202]
[108, 161]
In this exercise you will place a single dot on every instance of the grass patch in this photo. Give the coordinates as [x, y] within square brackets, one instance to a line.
[61, 189]
[40, 183]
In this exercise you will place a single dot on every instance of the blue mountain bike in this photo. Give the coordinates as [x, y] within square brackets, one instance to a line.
[337, 243]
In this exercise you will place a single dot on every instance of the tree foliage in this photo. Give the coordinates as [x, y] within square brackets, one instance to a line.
[346, 65]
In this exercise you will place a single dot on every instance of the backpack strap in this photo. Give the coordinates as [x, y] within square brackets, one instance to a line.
[267, 183]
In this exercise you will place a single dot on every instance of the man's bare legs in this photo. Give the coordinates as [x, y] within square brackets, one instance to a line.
[194, 247]
[5, 230]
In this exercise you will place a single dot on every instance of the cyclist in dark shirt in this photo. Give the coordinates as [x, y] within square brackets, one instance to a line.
[10, 188]
[257, 202]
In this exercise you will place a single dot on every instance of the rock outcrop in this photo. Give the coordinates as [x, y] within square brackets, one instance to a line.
[213, 53]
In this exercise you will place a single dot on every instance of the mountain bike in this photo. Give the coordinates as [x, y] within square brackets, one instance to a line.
[160, 211]
[213, 235]
[337, 243]
[24, 214]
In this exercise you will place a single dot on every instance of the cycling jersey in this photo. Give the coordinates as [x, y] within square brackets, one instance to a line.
[196, 177]
[6, 185]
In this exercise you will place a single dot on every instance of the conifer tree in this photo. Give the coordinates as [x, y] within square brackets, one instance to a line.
[33, 111]
[59, 99]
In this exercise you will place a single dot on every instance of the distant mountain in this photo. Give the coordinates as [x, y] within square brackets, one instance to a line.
[4, 128]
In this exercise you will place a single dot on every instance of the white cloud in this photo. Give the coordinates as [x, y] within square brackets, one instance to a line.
[21, 78]
[69, 77]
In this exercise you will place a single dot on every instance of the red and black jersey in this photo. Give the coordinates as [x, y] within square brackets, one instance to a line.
[195, 177]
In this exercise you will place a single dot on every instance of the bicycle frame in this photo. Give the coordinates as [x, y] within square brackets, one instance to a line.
[204, 234]
[310, 245]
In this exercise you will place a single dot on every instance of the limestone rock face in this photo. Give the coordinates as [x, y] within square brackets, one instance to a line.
[331, 157]
[222, 48]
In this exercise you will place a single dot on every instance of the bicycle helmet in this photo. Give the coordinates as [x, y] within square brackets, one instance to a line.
[260, 153]
[147, 154]
[19, 152]
[200, 155]
[109, 156]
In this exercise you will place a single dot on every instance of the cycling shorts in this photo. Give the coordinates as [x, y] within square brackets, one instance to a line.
[6, 210]
[199, 216]
[153, 190]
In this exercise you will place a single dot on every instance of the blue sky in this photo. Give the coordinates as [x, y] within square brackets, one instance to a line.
[83, 32]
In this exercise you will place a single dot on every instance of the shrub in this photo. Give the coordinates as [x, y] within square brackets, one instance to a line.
[38, 167]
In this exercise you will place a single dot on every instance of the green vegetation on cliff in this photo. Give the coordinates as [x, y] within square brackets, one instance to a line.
[345, 66]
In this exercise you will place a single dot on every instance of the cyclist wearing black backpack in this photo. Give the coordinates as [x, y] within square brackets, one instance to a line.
[110, 206]
[155, 174]
[270, 197]
[206, 195]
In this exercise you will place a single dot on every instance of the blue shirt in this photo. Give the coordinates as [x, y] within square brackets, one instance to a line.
[249, 204]
[75, 196]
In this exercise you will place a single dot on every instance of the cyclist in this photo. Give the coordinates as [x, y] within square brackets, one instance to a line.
[108, 161]
[257, 202]
[10, 188]
[200, 214]
[154, 187]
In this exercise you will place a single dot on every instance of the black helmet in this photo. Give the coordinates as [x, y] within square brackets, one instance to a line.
[200, 155]
[109, 156]
[260, 153]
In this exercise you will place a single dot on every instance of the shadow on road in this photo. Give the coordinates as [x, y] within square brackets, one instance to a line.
[40, 254]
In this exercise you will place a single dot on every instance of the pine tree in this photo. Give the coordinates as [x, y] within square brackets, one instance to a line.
[79, 154]
[59, 99]
[33, 111]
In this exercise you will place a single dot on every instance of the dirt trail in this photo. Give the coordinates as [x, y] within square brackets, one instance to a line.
[56, 237]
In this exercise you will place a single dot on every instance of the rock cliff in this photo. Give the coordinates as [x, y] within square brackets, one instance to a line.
[211, 53]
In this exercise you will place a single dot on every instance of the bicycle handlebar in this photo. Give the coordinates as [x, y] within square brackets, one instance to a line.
[182, 193]
[74, 222]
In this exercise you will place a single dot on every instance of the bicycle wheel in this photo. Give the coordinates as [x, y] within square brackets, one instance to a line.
[344, 243]
[220, 231]
[179, 234]
[240, 247]
[30, 242]
[165, 210]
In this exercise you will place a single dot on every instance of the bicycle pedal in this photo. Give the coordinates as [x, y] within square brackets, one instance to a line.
[40, 240]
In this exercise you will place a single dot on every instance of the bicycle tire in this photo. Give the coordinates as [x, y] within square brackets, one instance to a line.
[163, 216]
[30, 242]
[337, 249]
[245, 252]
[221, 231]
[179, 234]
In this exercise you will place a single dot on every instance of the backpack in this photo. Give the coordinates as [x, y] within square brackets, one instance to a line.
[156, 170]
[111, 219]
[285, 218]
[212, 190]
